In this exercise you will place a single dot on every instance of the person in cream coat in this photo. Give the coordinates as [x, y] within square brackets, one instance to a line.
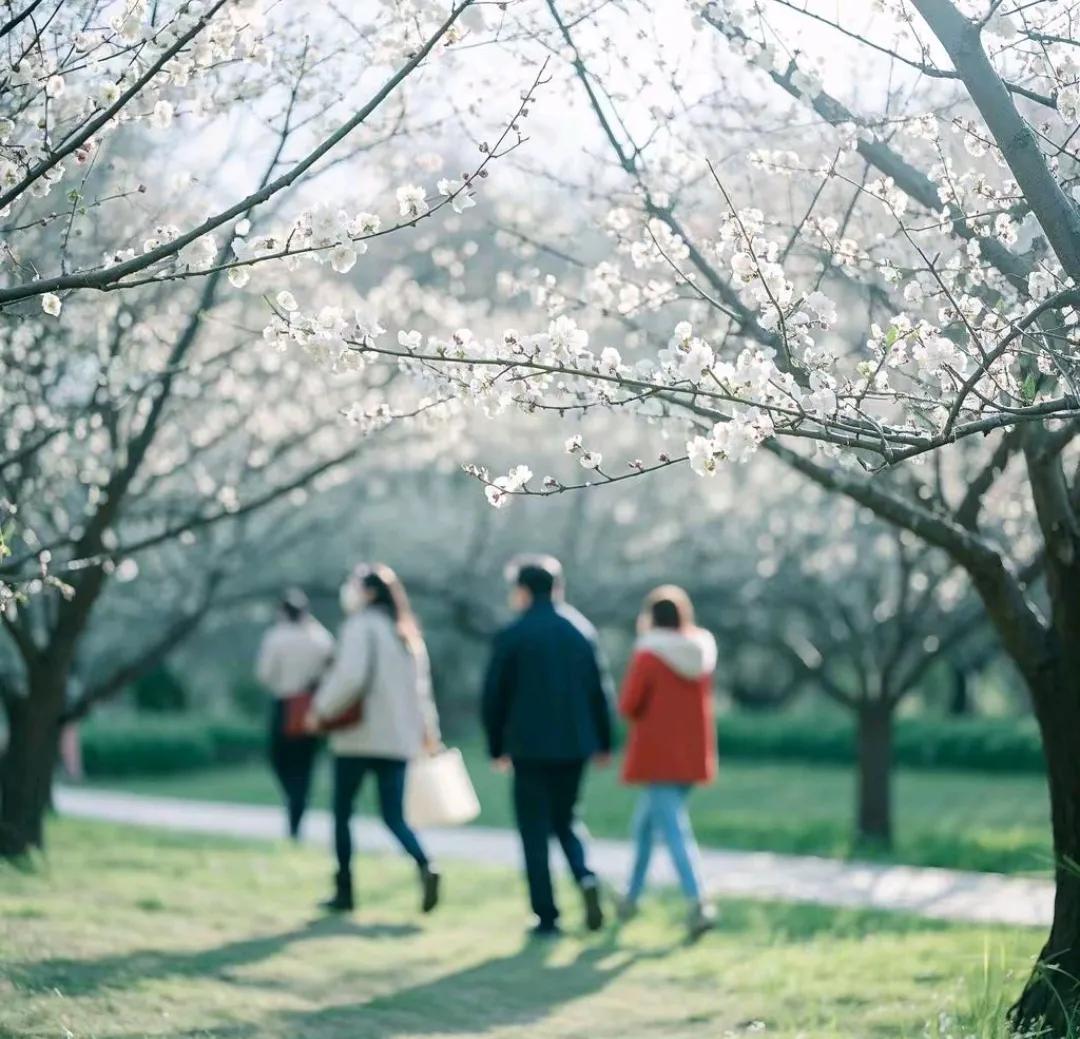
[381, 663]
[292, 656]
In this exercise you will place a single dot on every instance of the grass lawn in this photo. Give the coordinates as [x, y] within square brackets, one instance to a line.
[129, 933]
[964, 820]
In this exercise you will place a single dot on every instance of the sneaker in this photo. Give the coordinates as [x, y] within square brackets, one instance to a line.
[594, 910]
[626, 910]
[702, 919]
[429, 885]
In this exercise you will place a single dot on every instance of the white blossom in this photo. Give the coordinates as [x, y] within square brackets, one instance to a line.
[701, 452]
[363, 224]
[412, 201]
[162, 116]
[610, 360]
[342, 258]
[501, 489]
[458, 192]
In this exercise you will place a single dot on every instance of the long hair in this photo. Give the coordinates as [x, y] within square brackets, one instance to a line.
[667, 607]
[388, 593]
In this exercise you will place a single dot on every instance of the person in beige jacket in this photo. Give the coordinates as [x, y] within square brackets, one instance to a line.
[382, 663]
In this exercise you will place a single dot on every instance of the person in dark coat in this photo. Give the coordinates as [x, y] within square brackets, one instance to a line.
[546, 714]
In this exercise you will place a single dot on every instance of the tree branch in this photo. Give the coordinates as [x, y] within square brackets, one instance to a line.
[101, 278]
[912, 181]
[1057, 216]
[91, 127]
[1020, 625]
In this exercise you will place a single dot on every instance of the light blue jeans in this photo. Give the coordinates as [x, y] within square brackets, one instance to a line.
[662, 810]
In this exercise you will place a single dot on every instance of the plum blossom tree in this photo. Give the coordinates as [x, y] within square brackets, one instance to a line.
[895, 284]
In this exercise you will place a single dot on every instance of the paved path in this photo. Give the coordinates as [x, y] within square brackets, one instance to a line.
[938, 893]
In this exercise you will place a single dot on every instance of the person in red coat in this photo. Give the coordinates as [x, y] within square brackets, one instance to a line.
[667, 697]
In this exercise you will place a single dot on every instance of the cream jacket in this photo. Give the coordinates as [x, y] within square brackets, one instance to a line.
[293, 656]
[372, 662]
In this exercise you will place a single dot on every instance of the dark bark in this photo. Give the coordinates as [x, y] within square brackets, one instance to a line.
[755, 696]
[1052, 994]
[874, 752]
[1051, 998]
[26, 768]
[959, 695]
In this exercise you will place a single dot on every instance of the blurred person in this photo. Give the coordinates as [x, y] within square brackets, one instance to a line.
[546, 713]
[381, 672]
[292, 656]
[667, 697]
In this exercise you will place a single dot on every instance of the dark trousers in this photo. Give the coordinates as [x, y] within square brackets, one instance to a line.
[293, 761]
[545, 801]
[349, 773]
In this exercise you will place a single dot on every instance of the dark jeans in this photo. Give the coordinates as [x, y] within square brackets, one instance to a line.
[349, 775]
[545, 800]
[293, 760]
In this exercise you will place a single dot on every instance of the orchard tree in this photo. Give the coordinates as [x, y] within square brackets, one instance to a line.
[842, 606]
[914, 295]
[160, 435]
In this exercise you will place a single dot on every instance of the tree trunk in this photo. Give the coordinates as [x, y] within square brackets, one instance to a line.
[26, 769]
[1051, 998]
[959, 695]
[874, 751]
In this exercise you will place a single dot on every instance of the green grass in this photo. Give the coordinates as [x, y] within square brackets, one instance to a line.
[962, 820]
[123, 933]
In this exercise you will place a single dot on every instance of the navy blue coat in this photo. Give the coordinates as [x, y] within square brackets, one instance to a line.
[546, 695]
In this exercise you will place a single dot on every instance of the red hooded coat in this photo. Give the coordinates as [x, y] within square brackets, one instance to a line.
[667, 696]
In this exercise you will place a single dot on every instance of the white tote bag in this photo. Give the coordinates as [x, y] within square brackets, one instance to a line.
[438, 791]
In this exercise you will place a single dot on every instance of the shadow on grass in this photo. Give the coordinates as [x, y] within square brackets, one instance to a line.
[76, 977]
[519, 989]
[790, 923]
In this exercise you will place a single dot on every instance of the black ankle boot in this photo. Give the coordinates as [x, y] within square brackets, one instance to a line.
[594, 906]
[342, 900]
[429, 887]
